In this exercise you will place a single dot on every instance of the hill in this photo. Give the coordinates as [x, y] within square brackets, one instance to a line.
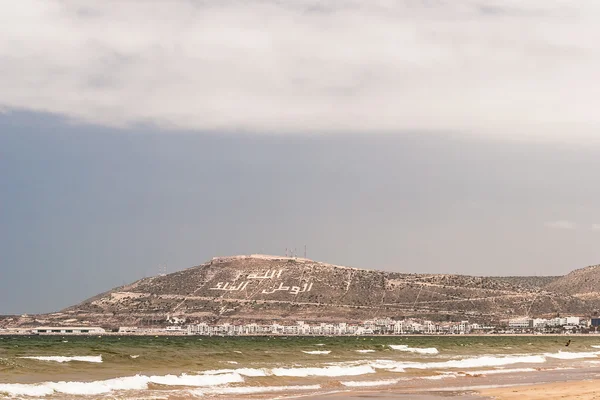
[265, 288]
[582, 283]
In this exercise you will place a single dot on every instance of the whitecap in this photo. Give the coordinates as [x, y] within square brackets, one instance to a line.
[324, 371]
[253, 389]
[137, 382]
[134, 356]
[365, 351]
[499, 371]
[403, 347]
[62, 359]
[317, 352]
[596, 346]
[197, 380]
[382, 382]
[475, 362]
[566, 355]
[75, 388]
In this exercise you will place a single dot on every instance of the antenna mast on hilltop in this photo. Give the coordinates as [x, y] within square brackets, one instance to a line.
[304, 251]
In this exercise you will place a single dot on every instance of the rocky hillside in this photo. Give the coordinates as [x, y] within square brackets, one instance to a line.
[582, 283]
[266, 288]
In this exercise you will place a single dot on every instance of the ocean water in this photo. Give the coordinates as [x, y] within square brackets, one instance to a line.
[134, 367]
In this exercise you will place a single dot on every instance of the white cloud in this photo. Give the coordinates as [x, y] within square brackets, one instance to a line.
[561, 224]
[506, 68]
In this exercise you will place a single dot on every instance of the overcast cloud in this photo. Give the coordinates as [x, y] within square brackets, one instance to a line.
[506, 68]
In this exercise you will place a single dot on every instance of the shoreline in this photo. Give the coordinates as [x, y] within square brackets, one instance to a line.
[307, 336]
[582, 390]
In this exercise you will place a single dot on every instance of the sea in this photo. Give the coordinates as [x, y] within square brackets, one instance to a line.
[190, 367]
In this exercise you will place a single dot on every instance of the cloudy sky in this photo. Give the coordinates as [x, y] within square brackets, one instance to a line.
[416, 135]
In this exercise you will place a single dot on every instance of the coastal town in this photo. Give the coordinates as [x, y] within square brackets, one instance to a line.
[383, 326]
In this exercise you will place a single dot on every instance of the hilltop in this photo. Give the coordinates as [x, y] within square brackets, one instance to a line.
[265, 288]
[583, 283]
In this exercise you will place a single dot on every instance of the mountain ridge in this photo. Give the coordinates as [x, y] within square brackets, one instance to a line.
[258, 288]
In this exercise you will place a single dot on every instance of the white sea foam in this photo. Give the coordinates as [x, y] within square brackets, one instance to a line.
[499, 371]
[317, 351]
[365, 351]
[382, 382]
[253, 389]
[62, 359]
[334, 370]
[197, 380]
[134, 356]
[320, 344]
[475, 362]
[438, 377]
[76, 388]
[596, 346]
[566, 355]
[403, 347]
[137, 382]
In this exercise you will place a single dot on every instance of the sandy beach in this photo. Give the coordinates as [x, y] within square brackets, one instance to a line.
[581, 390]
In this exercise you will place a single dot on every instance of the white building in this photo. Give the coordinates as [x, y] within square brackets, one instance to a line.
[69, 330]
[520, 323]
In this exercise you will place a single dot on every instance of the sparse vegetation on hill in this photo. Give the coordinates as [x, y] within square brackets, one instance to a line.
[264, 288]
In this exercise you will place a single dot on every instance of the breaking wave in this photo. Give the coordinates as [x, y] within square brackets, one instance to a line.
[566, 355]
[365, 351]
[137, 382]
[334, 370]
[498, 371]
[476, 362]
[317, 351]
[403, 347]
[253, 389]
[382, 382]
[62, 359]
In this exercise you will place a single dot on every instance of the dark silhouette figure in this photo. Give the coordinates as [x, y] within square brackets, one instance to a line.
[568, 343]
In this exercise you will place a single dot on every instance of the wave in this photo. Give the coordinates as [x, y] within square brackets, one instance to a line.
[317, 352]
[240, 371]
[475, 362]
[566, 355]
[75, 388]
[365, 351]
[320, 344]
[253, 389]
[196, 380]
[137, 382]
[382, 382]
[498, 371]
[62, 359]
[324, 371]
[403, 347]
[596, 346]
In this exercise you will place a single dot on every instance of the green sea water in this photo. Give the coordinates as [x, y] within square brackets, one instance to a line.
[238, 362]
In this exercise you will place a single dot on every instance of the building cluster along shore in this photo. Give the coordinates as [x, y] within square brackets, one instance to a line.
[383, 326]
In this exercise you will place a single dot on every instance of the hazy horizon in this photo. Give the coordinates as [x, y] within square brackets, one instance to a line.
[409, 136]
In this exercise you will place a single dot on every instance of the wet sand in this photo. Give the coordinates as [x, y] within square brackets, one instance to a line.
[581, 384]
[580, 390]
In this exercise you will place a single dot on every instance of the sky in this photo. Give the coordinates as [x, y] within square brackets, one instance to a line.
[413, 136]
